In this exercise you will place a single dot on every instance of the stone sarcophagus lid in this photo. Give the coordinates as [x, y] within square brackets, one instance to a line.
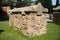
[30, 20]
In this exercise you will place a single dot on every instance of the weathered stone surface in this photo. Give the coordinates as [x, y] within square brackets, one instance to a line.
[32, 24]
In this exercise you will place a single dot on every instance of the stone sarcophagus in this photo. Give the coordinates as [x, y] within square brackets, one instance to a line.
[30, 20]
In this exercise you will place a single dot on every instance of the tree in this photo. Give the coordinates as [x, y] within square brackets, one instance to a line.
[47, 4]
[0, 8]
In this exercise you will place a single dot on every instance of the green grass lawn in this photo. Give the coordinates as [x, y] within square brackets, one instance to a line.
[8, 33]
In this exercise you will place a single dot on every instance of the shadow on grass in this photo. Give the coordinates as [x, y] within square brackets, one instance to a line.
[4, 20]
[1, 31]
[49, 22]
[57, 23]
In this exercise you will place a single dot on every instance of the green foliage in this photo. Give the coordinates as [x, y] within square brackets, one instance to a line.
[21, 4]
[47, 4]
